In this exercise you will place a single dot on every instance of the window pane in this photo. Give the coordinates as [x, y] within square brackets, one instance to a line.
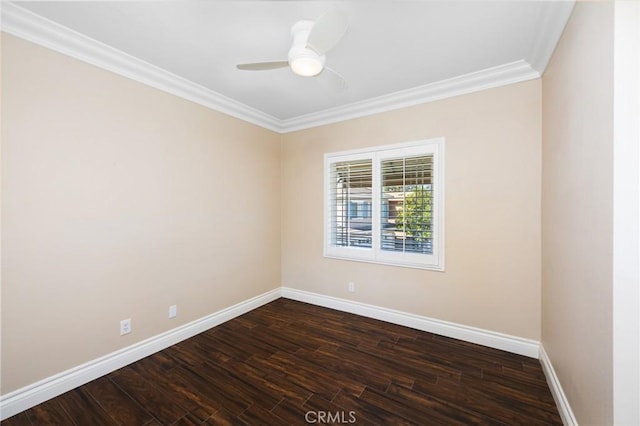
[382, 205]
[407, 204]
[350, 186]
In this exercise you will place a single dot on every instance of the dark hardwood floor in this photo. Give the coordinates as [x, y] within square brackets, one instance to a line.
[293, 363]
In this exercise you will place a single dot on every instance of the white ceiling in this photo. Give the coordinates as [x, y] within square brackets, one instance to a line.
[394, 52]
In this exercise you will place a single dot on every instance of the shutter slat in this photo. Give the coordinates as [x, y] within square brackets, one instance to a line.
[351, 203]
[407, 204]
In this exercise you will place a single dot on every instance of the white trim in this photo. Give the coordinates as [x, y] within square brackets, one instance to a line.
[375, 254]
[626, 208]
[36, 393]
[32, 27]
[566, 414]
[502, 75]
[505, 342]
[43, 390]
[551, 23]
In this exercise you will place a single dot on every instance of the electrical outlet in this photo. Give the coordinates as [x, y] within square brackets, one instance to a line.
[173, 311]
[352, 287]
[125, 326]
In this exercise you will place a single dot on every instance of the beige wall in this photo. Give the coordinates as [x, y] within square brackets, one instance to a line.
[492, 277]
[577, 185]
[119, 200]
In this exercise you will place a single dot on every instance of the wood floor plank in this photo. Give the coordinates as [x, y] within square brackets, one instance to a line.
[436, 408]
[237, 385]
[525, 378]
[331, 332]
[154, 370]
[432, 410]
[368, 333]
[226, 347]
[454, 394]
[83, 409]
[291, 412]
[49, 413]
[188, 420]
[300, 377]
[441, 367]
[317, 403]
[269, 385]
[270, 336]
[20, 419]
[273, 365]
[247, 343]
[366, 373]
[530, 404]
[153, 399]
[298, 334]
[258, 415]
[518, 383]
[386, 359]
[461, 357]
[117, 403]
[498, 405]
[210, 394]
[196, 352]
[468, 351]
[366, 412]
[222, 418]
[328, 377]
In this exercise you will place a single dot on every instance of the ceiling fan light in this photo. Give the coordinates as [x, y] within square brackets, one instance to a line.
[307, 66]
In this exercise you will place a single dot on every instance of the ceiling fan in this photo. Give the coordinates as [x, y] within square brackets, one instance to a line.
[311, 41]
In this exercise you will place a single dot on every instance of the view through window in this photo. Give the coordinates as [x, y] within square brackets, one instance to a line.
[385, 205]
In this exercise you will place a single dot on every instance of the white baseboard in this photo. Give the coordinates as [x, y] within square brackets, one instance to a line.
[566, 414]
[36, 393]
[505, 342]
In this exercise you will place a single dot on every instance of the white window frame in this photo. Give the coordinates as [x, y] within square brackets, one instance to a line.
[375, 254]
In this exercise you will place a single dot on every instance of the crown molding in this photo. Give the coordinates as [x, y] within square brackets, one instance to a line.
[551, 23]
[34, 28]
[502, 75]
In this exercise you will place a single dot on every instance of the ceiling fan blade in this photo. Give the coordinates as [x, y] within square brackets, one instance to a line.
[262, 66]
[334, 79]
[327, 31]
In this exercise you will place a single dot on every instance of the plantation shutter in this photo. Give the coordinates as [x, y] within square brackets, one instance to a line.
[407, 204]
[350, 192]
[385, 205]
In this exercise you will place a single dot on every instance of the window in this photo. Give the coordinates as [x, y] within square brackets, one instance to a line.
[386, 205]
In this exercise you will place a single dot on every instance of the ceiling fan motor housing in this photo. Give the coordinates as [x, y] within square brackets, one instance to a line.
[303, 60]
